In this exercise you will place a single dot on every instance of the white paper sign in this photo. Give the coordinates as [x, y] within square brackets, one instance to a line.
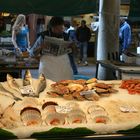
[87, 92]
[27, 90]
[63, 109]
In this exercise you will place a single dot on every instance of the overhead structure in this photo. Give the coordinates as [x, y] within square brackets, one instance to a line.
[49, 7]
[134, 13]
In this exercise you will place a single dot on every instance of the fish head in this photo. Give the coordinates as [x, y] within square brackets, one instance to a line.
[27, 74]
[9, 77]
[42, 77]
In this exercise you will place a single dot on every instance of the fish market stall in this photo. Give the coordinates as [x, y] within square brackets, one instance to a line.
[41, 108]
[14, 65]
[122, 70]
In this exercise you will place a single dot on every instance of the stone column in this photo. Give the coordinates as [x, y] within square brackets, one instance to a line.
[32, 28]
[108, 39]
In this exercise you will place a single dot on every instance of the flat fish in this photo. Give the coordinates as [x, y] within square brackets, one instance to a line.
[12, 83]
[41, 84]
[27, 78]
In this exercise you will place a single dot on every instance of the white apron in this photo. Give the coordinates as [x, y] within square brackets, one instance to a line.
[56, 67]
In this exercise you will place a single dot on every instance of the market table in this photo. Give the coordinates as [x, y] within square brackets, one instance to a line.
[121, 125]
[15, 67]
[123, 70]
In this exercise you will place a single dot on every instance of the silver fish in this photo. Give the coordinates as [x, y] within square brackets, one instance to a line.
[12, 83]
[4, 90]
[41, 85]
[27, 78]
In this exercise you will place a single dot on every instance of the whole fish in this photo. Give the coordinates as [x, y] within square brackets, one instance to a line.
[3, 90]
[12, 83]
[41, 84]
[27, 78]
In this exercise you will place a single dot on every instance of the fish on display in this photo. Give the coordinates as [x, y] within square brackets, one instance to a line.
[12, 83]
[41, 84]
[27, 78]
[2, 89]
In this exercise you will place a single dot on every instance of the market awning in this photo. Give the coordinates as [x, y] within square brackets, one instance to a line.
[134, 13]
[49, 7]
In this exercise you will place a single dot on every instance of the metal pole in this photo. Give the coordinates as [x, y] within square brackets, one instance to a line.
[108, 39]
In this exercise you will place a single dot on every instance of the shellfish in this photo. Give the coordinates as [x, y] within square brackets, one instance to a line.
[93, 108]
[102, 119]
[76, 116]
[55, 119]
[31, 116]
[49, 103]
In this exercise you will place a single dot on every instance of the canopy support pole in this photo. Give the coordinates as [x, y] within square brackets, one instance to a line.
[108, 39]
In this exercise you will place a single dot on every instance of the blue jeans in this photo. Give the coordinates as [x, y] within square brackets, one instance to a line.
[83, 50]
[72, 62]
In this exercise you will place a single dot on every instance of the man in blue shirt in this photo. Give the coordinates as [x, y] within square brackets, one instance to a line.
[124, 36]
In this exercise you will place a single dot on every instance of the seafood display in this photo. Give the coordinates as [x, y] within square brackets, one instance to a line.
[31, 116]
[76, 116]
[133, 86]
[27, 78]
[98, 114]
[37, 105]
[41, 84]
[18, 91]
[12, 83]
[128, 109]
[81, 89]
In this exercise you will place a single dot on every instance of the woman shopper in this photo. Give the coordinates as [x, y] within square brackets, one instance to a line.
[20, 34]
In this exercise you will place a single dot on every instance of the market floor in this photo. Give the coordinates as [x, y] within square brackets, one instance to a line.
[83, 71]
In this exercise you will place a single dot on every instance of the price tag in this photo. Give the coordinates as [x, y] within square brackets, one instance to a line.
[27, 90]
[63, 109]
[87, 92]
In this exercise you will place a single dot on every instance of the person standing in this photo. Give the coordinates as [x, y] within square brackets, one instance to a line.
[20, 34]
[83, 35]
[54, 67]
[124, 36]
[70, 31]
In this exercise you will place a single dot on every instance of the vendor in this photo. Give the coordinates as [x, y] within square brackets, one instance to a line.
[54, 67]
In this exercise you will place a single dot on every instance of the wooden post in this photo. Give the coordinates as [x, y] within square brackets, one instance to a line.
[32, 28]
[108, 34]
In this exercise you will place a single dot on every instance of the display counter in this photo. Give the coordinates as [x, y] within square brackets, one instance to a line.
[69, 109]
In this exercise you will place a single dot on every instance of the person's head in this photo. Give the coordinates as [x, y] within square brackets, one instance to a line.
[67, 24]
[83, 23]
[20, 21]
[122, 20]
[57, 25]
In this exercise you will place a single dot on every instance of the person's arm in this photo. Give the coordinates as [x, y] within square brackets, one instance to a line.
[89, 34]
[77, 34]
[28, 40]
[126, 33]
[36, 48]
[14, 40]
